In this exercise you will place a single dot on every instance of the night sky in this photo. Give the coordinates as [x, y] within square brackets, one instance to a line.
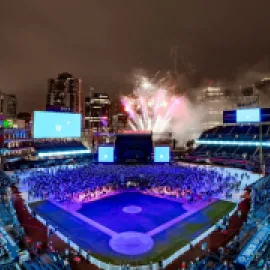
[105, 41]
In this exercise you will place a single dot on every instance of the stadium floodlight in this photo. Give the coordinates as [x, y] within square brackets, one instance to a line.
[236, 143]
[64, 153]
[162, 154]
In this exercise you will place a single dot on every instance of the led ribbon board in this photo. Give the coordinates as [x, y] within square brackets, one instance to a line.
[106, 154]
[64, 153]
[236, 143]
[162, 154]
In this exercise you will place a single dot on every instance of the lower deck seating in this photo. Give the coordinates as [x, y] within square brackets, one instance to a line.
[48, 261]
[248, 154]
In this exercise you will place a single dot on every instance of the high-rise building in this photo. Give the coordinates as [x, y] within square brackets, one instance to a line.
[98, 112]
[262, 90]
[119, 122]
[65, 94]
[8, 105]
[215, 100]
[17, 142]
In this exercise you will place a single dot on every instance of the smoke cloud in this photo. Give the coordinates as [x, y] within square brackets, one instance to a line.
[187, 122]
[254, 73]
[158, 104]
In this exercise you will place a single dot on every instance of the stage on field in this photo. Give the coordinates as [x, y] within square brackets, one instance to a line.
[132, 226]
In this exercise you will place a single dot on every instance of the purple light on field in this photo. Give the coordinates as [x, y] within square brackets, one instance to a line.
[131, 243]
[132, 209]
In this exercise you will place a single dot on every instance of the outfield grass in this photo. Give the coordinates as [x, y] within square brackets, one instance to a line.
[219, 209]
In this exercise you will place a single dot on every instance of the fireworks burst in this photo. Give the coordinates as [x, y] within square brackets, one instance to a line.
[152, 107]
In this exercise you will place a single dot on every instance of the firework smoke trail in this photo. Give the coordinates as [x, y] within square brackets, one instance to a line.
[155, 107]
[131, 125]
[157, 124]
[133, 116]
[158, 100]
[151, 107]
[157, 117]
[149, 127]
[144, 111]
[169, 114]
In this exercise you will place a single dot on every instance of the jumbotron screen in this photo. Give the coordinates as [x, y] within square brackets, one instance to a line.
[248, 115]
[162, 154]
[56, 125]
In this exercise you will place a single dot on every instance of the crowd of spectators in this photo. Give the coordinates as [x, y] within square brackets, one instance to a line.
[90, 181]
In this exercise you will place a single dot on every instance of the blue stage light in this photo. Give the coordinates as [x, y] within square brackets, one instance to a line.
[162, 154]
[106, 154]
[64, 153]
[236, 143]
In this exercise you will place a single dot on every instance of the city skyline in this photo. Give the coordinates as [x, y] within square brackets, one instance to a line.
[104, 43]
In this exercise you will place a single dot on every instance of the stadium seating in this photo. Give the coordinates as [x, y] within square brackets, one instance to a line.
[11, 235]
[237, 154]
[256, 225]
[48, 261]
[255, 234]
[240, 132]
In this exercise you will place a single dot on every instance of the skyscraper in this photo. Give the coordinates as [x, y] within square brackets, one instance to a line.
[97, 112]
[8, 106]
[65, 94]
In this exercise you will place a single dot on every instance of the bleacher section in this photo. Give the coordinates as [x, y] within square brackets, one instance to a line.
[249, 249]
[254, 246]
[9, 225]
[238, 144]
[12, 235]
[8, 216]
[256, 253]
[240, 132]
[48, 261]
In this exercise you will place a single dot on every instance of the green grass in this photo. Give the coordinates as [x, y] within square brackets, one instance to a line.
[191, 228]
[218, 210]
